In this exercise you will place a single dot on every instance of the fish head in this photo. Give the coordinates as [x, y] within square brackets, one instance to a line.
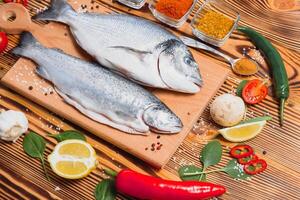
[178, 68]
[160, 119]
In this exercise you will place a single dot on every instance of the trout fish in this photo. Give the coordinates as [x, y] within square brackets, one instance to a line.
[98, 93]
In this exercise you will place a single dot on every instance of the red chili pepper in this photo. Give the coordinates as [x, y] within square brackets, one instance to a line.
[255, 166]
[24, 2]
[146, 187]
[241, 151]
[246, 160]
[3, 41]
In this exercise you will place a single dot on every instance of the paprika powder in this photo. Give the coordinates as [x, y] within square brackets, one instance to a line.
[174, 9]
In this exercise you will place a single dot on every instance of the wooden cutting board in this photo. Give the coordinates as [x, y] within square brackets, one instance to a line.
[155, 149]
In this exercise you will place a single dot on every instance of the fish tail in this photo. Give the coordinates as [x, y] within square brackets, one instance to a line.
[56, 11]
[27, 41]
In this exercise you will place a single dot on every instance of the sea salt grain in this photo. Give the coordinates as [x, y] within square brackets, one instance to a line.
[57, 188]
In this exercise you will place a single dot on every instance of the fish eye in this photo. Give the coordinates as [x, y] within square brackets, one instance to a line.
[171, 118]
[188, 60]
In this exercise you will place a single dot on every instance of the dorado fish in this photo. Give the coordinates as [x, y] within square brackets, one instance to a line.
[134, 47]
[98, 93]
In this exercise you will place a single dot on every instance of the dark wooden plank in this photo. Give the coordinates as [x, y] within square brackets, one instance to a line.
[280, 181]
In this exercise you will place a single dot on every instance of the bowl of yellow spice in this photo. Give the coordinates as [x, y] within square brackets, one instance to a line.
[212, 25]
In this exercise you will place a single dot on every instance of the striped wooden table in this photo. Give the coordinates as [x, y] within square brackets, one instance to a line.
[279, 20]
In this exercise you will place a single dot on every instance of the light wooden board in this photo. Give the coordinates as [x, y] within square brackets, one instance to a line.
[187, 107]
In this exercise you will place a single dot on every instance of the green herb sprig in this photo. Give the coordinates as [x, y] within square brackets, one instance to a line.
[211, 155]
[67, 135]
[34, 145]
[105, 190]
[240, 87]
[256, 119]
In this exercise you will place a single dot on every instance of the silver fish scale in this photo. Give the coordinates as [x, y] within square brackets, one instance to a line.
[136, 33]
[91, 83]
[139, 49]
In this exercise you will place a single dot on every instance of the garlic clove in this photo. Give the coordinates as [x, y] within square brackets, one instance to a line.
[12, 125]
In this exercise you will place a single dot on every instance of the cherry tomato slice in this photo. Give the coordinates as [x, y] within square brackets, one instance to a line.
[3, 41]
[241, 151]
[247, 160]
[254, 91]
[255, 167]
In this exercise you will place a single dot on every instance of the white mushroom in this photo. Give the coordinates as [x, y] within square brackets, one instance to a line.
[227, 110]
[12, 125]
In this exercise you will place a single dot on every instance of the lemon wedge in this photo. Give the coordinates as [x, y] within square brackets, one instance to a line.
[243, 132]
[73, 159]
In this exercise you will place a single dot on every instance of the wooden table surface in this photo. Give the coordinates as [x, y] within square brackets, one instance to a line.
[279, 20]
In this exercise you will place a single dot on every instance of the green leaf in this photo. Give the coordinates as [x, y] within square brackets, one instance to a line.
[256, 119]
[186, 173]
[68, 135]
[239, 89]
[34, 145]
[105, 190]
[203, 177]
[211, 154]
[234, 170]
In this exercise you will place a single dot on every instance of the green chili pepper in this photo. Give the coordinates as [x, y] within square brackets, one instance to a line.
[275, 62]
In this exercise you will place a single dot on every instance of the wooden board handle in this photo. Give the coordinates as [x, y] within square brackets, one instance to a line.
[14, 18]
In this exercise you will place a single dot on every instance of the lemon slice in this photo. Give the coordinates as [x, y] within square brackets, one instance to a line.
[73, 159]
[243, 132]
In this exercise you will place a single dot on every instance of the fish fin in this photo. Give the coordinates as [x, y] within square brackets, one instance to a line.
[97, 116]
[40, 70]
[136, 122]
[26, 42]
[128, 75]
[55, 12]
[139, 53]
[124, 73]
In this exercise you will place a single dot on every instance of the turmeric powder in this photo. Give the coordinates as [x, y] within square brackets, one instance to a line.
[245, 66]
[214, 24]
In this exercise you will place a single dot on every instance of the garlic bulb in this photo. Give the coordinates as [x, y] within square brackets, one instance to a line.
[12, 125]
[227, 110]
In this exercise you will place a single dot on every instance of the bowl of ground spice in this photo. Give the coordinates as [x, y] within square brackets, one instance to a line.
[172, 12]
[214, 22]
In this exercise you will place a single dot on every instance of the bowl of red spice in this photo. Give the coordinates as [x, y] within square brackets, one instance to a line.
[172, 12]
[214, 22]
